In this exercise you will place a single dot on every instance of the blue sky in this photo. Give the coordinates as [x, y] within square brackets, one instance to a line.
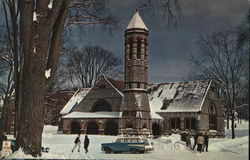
[169, 46]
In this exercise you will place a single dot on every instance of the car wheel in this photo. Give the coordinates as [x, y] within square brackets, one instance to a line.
[141, 151]
[107, 150]
[133, 151]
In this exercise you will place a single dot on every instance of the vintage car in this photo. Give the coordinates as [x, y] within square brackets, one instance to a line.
[128, 144]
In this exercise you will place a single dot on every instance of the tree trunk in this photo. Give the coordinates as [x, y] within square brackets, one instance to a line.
[40, 44]
[34, 48]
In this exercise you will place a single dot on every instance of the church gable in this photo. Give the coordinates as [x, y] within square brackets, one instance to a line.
[104, 96]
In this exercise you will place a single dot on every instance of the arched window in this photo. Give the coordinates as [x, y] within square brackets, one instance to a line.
[145, 49]
[172, 122]
[178, 123]
[139, 49]
[193, 123]
[101, 105]
[175, 123]
[212, 117]
[190, 123]
[187, 123]
[138, 85]
[130, 48]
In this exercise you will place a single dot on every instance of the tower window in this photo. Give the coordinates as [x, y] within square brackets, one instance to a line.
[138, 49]
[130, 49]
[138, 85]
[129, 85]
[145, 49]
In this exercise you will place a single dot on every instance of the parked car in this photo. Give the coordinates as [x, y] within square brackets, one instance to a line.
[128, 144]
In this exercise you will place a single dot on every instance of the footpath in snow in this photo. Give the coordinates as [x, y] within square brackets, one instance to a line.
[164, 147]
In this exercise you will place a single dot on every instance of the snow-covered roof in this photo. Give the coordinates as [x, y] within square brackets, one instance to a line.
[115, 85]
[93, 115]
[155, 115]
[178, 96]
[136, 22]
[75, 100]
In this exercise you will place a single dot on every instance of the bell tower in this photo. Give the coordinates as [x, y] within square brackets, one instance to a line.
[135, 105]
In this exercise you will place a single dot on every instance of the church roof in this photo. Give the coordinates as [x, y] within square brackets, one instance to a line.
[75, 100]
[178, 96]
[136, 22]
[118, 84]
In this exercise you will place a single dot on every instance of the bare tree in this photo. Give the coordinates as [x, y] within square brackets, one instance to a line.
[169, 9]
[6, 79]
[85, 66]
[41, 27]
[222, 59]
[11, 14]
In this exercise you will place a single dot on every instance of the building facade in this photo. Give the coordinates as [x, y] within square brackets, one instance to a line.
[134, 107]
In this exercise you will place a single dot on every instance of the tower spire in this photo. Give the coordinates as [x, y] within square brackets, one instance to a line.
[136, 22]
[135, 104]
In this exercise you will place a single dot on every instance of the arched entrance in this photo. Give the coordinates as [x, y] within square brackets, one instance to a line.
[75, 128]
[111, 128]
[92, 128]
[156, 129]
[212, 117]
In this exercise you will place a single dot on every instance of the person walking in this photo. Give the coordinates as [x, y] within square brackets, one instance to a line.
[3, 137]
[200, 142]
[206, 137]
[188, 141]
[195, 139]
[86, 144]
[77, 143]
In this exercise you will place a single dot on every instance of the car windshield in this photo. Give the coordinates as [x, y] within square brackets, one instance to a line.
[131, 140]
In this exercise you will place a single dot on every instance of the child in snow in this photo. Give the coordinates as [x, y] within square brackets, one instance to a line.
[77, 143]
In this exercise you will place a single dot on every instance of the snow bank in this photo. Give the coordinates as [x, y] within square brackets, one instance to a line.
[165, 147]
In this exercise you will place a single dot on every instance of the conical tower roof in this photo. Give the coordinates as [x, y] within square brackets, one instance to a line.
[136, 22]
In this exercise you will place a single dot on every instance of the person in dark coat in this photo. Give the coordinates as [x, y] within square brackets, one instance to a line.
[3, 137]
[188, 141]
[77, 143]
[206, 141]
[86, 143]
[195, 139]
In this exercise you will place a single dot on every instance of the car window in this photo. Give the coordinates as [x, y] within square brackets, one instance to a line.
[134, 140]
[119, 140]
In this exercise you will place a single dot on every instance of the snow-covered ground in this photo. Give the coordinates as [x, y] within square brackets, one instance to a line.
[164, 147]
